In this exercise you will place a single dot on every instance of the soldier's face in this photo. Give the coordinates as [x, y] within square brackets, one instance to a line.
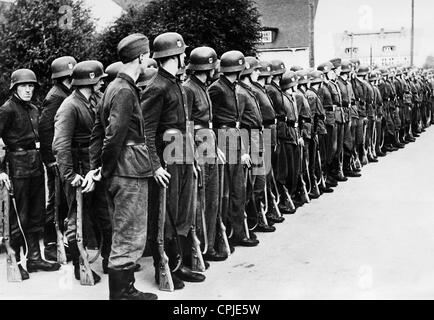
[255, 75]
[99, 85]
[344, 76]
[25, 91]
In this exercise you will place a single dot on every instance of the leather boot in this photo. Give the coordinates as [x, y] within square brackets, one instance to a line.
[121, 286]
[75, 255]
[380, 153]
[314, 193]
[35, 262]
[340, 177]
[184, 273]
[17, 248]
[50, 252]
[105, 251]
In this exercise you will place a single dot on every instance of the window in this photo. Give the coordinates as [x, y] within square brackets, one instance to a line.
[353, 50]
[267, 36]
[389, 49]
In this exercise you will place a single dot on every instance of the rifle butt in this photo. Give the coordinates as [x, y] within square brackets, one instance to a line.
[13, 272]
[61, 254]
[223, 244]
[166, 281]
[197, 262]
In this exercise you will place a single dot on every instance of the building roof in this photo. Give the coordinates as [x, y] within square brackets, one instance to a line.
[289, 18]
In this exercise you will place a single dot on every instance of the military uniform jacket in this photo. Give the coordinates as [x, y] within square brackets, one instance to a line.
[360, 92]
[19, 129]
[348, 99]
[50, 105]
[292, 114]
[378, 101]
[265, 103]
[337, 101]
[325, 95]
[73, 126]
[225, 103]
[201, 110]
[370, 99]
[251, 118]
[277, 98]
[165, 106]
[305, 119]
[317, 111]
[120, 121]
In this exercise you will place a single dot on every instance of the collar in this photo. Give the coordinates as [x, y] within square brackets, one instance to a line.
[162, 72]
[81, 96]
[64, 88]
[196, 80]
[226, 81]
[128, 79]
[259, 86]
[20, 102]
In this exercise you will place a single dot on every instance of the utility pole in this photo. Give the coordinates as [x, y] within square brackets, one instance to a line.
[412, 34]
[312, 33]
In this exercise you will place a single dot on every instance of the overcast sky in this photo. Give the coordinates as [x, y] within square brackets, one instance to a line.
[336, 16]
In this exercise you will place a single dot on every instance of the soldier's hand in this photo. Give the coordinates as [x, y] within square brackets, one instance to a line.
[246, 160]
[97, 175]
[162, 177]
[77, 181]
[4, 181]
[88, 183]
[221, 156]
[301, 142]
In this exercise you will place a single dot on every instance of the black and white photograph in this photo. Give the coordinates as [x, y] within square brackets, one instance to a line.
[216, 154]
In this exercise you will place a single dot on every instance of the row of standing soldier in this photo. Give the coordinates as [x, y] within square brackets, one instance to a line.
[105, 162]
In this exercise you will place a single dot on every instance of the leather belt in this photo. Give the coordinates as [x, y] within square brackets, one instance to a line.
[267, 123]
[282, 118]
[229, 125]
[21, 148]
[131, 143]
[330, 108]
[292, 123]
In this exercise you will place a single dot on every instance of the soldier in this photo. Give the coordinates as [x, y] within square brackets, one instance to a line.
[201, 67]
[24, 170]
[146, 77]
[350, 120]
[369, 150]
[119, 155]
[280, 159]
[251, 122]
[288, 85]
[112, 71]
[361, 95]
[269, 123]
[61, 71]
[227, 120]
[319, 132]
[329, 97]
[374, 78]
[73, 128]
[166, 113]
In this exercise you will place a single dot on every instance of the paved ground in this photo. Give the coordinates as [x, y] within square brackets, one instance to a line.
[372, 239]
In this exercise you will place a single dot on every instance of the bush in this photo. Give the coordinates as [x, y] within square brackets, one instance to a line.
[221, 24]
[38, 32]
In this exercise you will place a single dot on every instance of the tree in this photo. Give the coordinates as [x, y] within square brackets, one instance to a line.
[429, 62]
[221, 24]
[39, 31]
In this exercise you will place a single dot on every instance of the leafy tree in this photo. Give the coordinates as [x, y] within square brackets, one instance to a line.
[221, 24]
[429, 62]
[39, 31]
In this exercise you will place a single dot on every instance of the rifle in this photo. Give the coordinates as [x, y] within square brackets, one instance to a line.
[86, 276]
[61, 255]
[305, 196]
[246, 226]
[202, 201]
[166, 282]
[322, 179]
[13, 271]
[224, 242]
[197, 263]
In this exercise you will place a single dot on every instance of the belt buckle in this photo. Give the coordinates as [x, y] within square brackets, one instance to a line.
[38, 145]
[275, 121]
[238, 125]
[210, 125]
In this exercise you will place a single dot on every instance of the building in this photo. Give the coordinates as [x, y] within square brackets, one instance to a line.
[286, 34]
[382, 48]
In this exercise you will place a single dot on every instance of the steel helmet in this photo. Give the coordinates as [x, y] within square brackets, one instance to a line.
[113, 70]
[251, 64]
[265, 68]
[277, 67]
[87, 73]
[168, 44]
[22, 76]
[202, 59]
[325, 67]
[62, 67]
[296, 68]
[232, 61]
[336, 62]
[345, 67]
[363, 71]
[289, 80]
[146, 77]
[316, 77]
[302, 77]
